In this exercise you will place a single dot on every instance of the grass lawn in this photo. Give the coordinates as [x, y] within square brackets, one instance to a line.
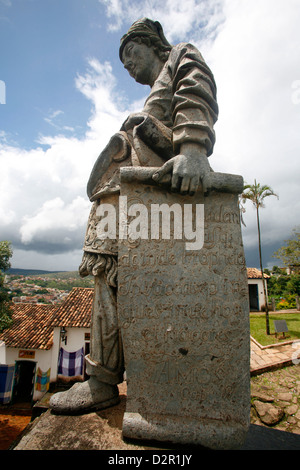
[258, 327]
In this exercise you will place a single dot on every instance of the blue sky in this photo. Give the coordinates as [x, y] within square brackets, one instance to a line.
[44, 45]
[67, 93]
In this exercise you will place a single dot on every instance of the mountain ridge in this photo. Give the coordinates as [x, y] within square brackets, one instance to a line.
[33, 272]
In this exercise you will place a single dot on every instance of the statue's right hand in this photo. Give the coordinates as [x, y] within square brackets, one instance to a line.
[133, 120]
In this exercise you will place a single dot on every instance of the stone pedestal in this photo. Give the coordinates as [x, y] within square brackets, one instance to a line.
[184, 314]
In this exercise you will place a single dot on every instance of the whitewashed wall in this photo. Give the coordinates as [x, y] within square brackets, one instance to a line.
[260, 288]
[47, 359]
[2, 353]
[42, 360]
[75, 338]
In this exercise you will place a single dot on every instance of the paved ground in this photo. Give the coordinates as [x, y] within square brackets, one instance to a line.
[264, 358]
[278, 389]
[275, 399]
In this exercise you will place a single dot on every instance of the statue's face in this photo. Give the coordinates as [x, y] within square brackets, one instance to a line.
[138, 59]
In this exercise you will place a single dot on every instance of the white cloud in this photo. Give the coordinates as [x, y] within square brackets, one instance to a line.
[44, 206]
[255, 62]
[99, 86]
[55, 222]
[32, 259]
[51, 118]
[180, 19]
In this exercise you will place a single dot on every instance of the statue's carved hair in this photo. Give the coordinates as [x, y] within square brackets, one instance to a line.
[160, 50]
[151, 33]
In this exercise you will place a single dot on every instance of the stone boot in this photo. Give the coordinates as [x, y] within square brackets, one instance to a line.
[84, 397]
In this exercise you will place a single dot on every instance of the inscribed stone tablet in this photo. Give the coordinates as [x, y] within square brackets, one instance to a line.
[184, 317]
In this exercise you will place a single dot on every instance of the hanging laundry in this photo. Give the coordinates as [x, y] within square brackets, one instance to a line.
[70, 364]
[42, 381]
[6, 382]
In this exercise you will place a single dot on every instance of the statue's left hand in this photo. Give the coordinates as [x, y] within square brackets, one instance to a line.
[188, 170]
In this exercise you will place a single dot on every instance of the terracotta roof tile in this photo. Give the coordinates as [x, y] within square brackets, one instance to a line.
[254, 273]
[32, 326]
[75, 311]
[33, 323]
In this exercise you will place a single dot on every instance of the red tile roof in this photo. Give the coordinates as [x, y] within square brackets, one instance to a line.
[254, 273]
[33, 324]
[32, 327]
[75, 311]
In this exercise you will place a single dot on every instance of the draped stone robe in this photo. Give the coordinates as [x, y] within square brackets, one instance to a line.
[180, 108]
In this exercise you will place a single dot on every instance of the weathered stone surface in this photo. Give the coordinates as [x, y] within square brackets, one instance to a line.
[268, 413]
[184, 318]
[285, 396]
[93, 431]
[291, 410]
[278, 388]
[262, 393]
[103, 431]
[261, 396]
[109, 427]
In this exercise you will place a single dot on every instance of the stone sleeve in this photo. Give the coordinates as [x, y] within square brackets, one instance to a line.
[194, 104]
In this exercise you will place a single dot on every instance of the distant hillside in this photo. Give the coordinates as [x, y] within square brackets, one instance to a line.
[28, 272]
[51, 275]
[62, 275]
[32, 282]
[40, 272]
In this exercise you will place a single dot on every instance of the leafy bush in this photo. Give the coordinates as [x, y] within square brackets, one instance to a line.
[288, 302]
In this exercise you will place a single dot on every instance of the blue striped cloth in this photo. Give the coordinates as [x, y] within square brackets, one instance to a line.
[6, 382]
[70, 364]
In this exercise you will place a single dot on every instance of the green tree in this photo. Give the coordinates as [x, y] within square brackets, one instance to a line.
[293, 285]
[5, 255]
[5, 309]
[257, 193]
[289, 254]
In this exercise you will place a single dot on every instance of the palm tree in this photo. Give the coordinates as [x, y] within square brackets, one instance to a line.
[257, 193]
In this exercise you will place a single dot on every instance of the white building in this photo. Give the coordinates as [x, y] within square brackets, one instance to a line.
[256, 289]
[44, 343]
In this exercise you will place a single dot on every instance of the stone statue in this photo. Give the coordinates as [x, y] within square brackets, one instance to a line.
[174, 132]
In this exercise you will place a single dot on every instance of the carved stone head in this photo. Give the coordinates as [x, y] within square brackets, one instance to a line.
[150, 33]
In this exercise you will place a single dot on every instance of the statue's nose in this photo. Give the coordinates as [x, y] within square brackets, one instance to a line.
[128, 64]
